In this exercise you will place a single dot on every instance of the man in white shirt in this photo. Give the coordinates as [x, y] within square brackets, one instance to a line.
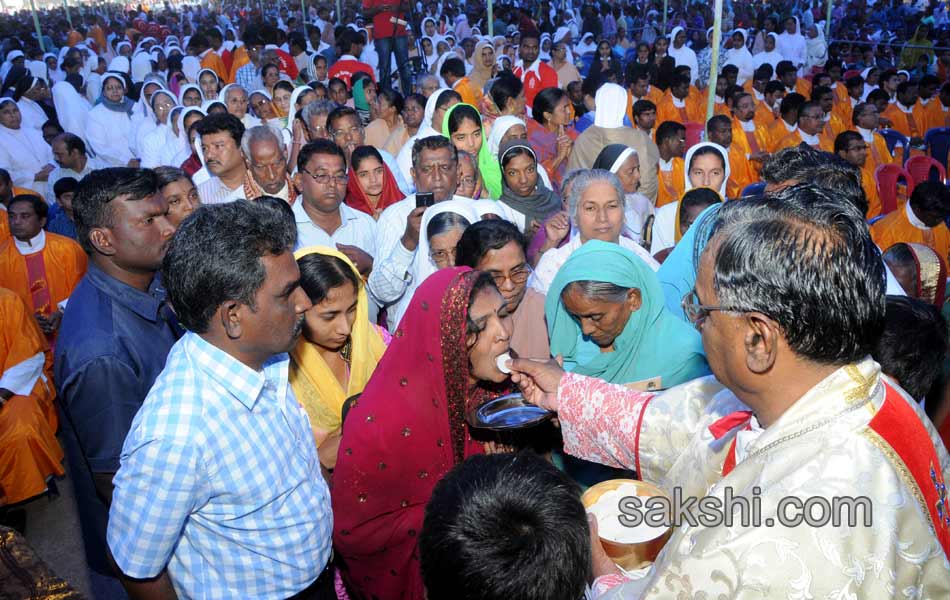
[220, 137]
[69, 152]
[322, 218]
[435, 170]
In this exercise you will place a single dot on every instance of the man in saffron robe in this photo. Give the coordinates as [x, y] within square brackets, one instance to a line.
[42, 268]
[671, 142]
[809, 130]
[921, 220]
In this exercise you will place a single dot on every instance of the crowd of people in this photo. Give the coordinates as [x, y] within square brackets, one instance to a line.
[260, 264]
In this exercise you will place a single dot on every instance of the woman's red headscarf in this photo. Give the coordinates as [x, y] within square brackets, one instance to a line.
[356, 197]
[403, 434]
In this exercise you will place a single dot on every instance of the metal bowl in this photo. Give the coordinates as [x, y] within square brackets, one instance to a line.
[506, 413]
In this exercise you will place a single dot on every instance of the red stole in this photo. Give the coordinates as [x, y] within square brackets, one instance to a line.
[912, 123]
[39, 286]
[753, 144]
[905, 442]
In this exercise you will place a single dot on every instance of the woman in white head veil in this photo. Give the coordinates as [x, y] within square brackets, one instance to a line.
[587, 44]
[664, 225]
[8, 62]
[143, 118]
[183, 148]
[684, 55]
[545, 55]
[38, 68]
[499, 128]
[120, 64]
[816, 48]
[433, 56]
[741, 57]
[792, 45]
[189, 86]
[141, 66]
[159, 145]
[23, 152]
[71, 108]
[248, 119]
[422, 265]
[426, 129]
[772, 57]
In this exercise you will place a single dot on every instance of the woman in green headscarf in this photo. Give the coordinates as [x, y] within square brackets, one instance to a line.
[917, 46]
[607, 317]
[364, 96]
[463, 125]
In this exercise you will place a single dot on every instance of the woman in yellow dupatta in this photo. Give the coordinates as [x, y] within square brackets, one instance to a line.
[339, 348]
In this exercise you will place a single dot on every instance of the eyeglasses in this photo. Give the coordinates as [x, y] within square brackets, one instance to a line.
[340, 133]
[697, 313]
[517, 277]
[442, 255]
[467, 181]
[326, 178]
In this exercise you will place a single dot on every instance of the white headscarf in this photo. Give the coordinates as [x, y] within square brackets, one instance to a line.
[684, 56]
[71, 108]
[184, 148]
[774, 57]
[689, 161]
[189, 86]
[292, 111]
[610, 104]
[816, 50]
[198, 81]
[741, 58]
[498, 130]
[141, 66]
[8, 63]
[119, 64]
[190, 65]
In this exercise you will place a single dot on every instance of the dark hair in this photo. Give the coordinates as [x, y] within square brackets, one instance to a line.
[482, 236]
[888, 74]
[818, 91]
[854, 81]
[792, 103]
[668, 129]
[65, 185]
[320, 273]
[454, 67]
[72, 141]
[505, 87]
[445, 221]
[505, 526]
[269, 65]
[417, 98]
[23, 85]
[335, 80]
[433, 142]
[729, 69]
[5, 176]
[54, 124]
[460, 114]
[92, 205]
[878, 95]
[762, 73]
[545, 101]
[363, 152]
[483, 281]
[221, 123]
[40, 207]
[721, 120]
[784, 67]
[393, 97]
[642, 106]
[928, 80]
[931, 196]
[699, 197]
[514, 151]
[806, 259]
[903, 87]
[215, 256]
[913, 345]
[318, 146]
[858, 109]
[707, 150]
[844, 138]
[284, 85]
[167, 175]
[338, 113]
[774, 86]
[445, 97]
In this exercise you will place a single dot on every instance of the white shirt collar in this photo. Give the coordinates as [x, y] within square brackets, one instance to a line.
[747, 125]
[811, 140]
[758, 97]
[32, 246]
[677, 102]
[347, 57]
[745, 437]
[913, 218]
[666, 166]
[903, 108]
[535, 66]
[866, 134]
[789, 128]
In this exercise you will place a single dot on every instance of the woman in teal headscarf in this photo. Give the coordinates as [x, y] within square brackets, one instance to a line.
[607, 317]
[463, 125]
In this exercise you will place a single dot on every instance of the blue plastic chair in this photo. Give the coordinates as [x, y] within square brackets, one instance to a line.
[586, 61]
[938, 144]
[894, 139]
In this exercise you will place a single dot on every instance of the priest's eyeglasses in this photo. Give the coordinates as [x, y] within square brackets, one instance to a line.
[697, 313]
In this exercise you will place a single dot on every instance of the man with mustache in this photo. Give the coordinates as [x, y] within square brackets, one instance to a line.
[219, 494]
[220, 137]
[114, 337]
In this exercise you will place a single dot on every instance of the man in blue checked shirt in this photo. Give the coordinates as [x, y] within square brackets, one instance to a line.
[219, 493]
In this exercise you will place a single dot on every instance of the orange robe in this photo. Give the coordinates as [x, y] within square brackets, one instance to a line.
[239, 60]
[212, 61]
[750, 142]
[777, 132]
[841, 93]
[29, 452]
[878, 154]
[870, 190]
[693, 112]
[896, 227]
[803, 87]
[911, 125]
[932, 113]
[672, 183]
[833, 127]
[844, 112]
[764, 117]
[469, 93]
[64, 262]
[741, 171]
[654, 95]
[795, 138]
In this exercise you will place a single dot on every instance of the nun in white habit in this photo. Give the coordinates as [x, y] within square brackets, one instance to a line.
[741, 57]
[23, 152]
[770, 55]
[33, 114]
[109, 124]
[683, 54]
[72, 109]
[792, 45]
[143, 119]
[159, 146]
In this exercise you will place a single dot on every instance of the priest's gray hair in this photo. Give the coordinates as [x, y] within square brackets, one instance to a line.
[262, 133]
[583, 180]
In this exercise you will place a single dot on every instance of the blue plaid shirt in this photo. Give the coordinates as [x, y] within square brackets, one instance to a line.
[220, 481]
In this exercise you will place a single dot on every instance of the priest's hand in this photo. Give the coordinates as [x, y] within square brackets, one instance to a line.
[538, 380]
